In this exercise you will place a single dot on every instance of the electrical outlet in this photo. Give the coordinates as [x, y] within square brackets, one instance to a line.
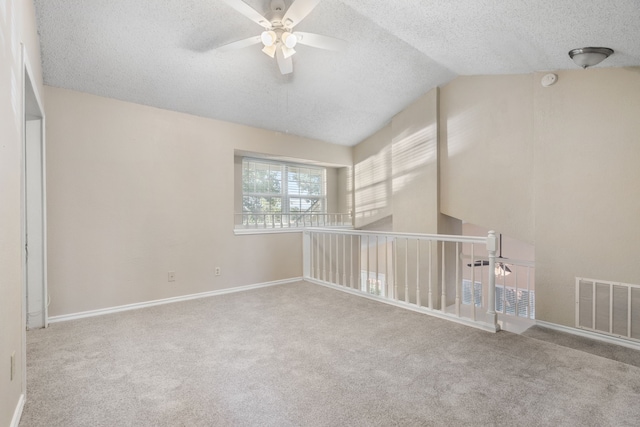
[171, 276]
[13, 365]
[217, 271]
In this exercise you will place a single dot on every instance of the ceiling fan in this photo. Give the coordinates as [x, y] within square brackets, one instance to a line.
[278, 38]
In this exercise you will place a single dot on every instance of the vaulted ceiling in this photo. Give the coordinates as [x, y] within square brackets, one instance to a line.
[163, 54]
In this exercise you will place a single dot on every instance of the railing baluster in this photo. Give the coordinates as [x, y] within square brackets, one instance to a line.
[351, 259]
[324, 257]
[515, 275]
[473, 282]
[443, 296]
[529, 302]
[338, 278]
[418, 273]
[311, 254]
[430, 274]
[458, 283]
[491, 303]
[386, 266]
[368, 285]
[610, 308]
[359, 273]
[629, 312]
[482, 285]
[344, 260]
[330, 260]
[394, 247]
[504, 288]
[593, 320]
[406, 270]
[377, 284]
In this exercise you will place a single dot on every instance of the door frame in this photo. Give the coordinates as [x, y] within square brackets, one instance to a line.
[31, 99]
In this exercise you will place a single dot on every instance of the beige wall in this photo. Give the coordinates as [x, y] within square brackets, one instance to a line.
[372, 178]
[587, 184]
[345, 188]
[135, 192]
[17, 25]
[554, 166]
[396, 171]
[414, 136]
[486, 143]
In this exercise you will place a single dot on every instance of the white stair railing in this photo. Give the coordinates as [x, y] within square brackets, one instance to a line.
[422, 272]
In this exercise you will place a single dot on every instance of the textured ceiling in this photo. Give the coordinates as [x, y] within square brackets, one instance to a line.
[161, 53]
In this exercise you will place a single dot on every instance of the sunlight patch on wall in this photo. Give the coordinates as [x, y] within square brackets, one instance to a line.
[461, 129]
[3, 15]
[372, 185]
[349, 192]
[411, 153]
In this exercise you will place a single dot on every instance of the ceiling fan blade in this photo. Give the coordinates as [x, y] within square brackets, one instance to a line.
[239, 44]
[478, 263]
[249, 12]
[320, 42]
[285, 64]
[298, 11]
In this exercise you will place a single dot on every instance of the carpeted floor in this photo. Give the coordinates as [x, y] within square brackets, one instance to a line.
[302, 354]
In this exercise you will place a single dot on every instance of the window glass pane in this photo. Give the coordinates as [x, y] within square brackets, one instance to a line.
[295, 205]
[293, 187]
[265, 189]
[275, 181]
[248, 177]
[251, 204]
[315, 190]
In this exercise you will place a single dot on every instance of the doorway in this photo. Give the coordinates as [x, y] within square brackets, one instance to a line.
[34, 205]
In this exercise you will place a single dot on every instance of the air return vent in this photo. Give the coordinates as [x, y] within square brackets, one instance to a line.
[608, 307]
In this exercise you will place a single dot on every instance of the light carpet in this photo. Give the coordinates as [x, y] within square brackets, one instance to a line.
[305, 355]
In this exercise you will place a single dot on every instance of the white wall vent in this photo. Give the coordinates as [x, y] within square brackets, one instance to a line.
[610, 308]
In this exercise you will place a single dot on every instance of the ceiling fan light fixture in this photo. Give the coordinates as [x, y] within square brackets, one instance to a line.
[268, 38]
[289, 40]
[589, 56]
[502, 269]
[270, 50]
[287, 52]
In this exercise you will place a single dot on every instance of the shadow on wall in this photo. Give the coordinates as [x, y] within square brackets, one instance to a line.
[392, 169]
[411, 153]
[373, 186]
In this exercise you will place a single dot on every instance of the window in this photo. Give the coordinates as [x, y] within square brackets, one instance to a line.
[282, 188]
[507, 298]
[373, 283]
[466, 293]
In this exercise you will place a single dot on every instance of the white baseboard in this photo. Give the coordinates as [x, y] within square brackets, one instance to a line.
[135, 306]
[17, 414]
[589, 334]
[424, 310]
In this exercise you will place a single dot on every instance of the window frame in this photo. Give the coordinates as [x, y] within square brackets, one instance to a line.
[285, 195]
